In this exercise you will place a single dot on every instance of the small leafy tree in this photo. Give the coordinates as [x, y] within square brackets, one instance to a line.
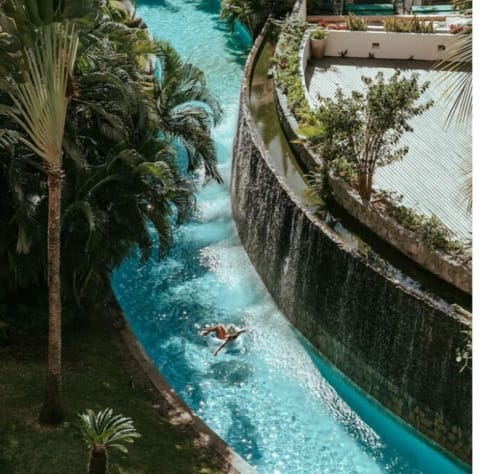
[102, 430]
[365, 129]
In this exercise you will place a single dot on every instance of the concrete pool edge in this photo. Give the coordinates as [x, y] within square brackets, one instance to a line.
[179, 413]
[354, 343]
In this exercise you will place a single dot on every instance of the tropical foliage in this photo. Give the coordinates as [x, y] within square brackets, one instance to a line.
[429, 229]
[109, 131]
[101, 431]
[40, 46]
[121, 175]
[457, 58]
[413, 25]
[287, 75]
[356, 23]
[186, 109]
[318, 33]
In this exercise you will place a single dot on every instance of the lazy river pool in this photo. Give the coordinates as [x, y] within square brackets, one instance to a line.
[277, 402]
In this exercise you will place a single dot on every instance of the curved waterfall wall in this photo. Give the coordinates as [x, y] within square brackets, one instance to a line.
[397, 345]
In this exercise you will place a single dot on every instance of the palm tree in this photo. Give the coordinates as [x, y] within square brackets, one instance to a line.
[44, 40]
[103, 430]
[458, 58]
[120, 174]
[243, 11]
[118, 200]
[187, 110]
[253, 13]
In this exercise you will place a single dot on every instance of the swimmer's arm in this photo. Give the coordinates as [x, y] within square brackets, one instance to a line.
[227, 340]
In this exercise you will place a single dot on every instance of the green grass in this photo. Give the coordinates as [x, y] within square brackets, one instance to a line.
[97, 374]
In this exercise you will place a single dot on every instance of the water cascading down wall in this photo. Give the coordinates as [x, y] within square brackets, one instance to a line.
[396, 344]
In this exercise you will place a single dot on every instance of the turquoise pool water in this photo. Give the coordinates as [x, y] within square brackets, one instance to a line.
[278, 403]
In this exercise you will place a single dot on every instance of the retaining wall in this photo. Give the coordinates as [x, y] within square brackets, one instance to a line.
[394, 342]
[447, 268]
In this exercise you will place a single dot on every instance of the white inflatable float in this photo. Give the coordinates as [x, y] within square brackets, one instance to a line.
[233, 346]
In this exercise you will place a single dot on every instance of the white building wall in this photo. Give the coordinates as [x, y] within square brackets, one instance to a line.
[387, 45]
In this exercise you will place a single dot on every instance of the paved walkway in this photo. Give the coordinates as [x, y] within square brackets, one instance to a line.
[431, 176]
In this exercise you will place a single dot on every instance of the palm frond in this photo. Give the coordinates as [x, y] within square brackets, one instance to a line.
[40, 98]
[457, 61]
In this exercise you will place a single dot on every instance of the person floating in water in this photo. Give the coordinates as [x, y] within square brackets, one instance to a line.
[227, 334]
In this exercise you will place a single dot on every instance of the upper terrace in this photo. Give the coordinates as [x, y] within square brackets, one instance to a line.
[432, 175]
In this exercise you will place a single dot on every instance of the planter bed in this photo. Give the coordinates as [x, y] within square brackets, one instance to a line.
[439, 263]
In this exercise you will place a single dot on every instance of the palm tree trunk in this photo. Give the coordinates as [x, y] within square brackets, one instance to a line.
[52, 410]
[98, 460]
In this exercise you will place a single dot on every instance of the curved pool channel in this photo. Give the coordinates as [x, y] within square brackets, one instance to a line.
[277, 402]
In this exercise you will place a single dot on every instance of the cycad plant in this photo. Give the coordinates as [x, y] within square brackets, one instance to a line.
[101, 431]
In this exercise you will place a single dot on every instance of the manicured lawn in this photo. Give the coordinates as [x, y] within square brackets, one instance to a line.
[96, 375]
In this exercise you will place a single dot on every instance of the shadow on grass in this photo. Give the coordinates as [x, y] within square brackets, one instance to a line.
[96, 375]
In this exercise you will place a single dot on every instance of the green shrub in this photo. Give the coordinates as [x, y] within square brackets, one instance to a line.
[318, 34]
[288, 75]
[391, 24]
[408, 26]
[356, 23]
[417, 26]
[436, 235]
[430, 230]
[345, 170]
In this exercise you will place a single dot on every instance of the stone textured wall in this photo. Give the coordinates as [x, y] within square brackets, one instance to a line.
[395, 343]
